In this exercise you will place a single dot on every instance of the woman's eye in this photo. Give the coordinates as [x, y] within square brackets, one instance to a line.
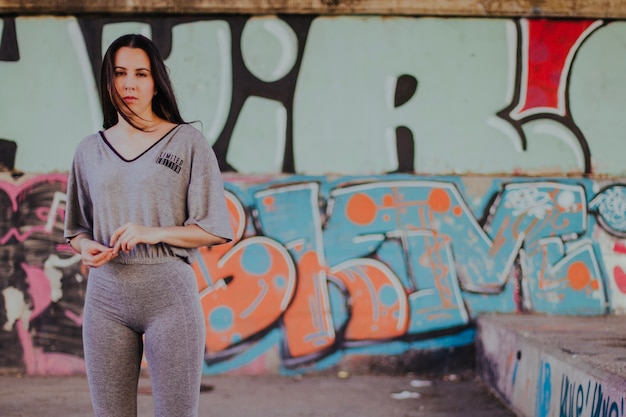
[142, 74]
[119, 73]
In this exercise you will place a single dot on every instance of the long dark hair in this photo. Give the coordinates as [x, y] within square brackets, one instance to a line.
[163, 103]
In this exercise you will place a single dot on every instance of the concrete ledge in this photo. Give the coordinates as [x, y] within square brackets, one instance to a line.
[522, 8]
[544, 366]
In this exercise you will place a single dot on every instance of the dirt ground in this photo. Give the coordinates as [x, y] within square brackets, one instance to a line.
[340, 395]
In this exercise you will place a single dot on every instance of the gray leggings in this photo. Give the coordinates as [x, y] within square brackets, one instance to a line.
[161, 303]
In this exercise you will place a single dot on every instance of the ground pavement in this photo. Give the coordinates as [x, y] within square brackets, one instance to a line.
[526, 365]
[275, 396]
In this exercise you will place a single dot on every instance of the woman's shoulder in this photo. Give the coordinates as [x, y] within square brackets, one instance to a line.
[190, 131]
[86, 149]
[191, 135]
[88, 142]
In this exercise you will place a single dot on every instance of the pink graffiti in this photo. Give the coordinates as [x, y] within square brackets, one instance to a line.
[40, 289]
[18, 193]
[39, 363]
[620, 279]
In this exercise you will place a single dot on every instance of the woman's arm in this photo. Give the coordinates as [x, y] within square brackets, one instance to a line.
[128, 236]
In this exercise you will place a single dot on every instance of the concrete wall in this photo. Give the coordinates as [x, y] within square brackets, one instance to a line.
[389, 178]
[519, 8]
[553, 367]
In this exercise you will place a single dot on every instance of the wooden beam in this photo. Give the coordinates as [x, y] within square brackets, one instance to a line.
[614, 9]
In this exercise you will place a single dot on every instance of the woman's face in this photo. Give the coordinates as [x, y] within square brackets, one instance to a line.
[134, 82]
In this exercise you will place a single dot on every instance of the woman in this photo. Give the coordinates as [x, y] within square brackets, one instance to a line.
[142, 196]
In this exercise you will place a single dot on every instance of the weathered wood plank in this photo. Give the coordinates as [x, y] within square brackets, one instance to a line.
[538, 8]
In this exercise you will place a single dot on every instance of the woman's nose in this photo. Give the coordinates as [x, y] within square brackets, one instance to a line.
[129, 83]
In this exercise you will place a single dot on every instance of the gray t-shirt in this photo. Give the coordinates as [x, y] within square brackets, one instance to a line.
[175, 182]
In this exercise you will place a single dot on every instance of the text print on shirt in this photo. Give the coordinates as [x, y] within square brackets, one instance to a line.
[171, 161]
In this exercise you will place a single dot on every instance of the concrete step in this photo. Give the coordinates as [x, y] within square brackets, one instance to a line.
[554, 366]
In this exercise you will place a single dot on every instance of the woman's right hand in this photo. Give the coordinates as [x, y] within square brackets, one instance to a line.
[93, 254]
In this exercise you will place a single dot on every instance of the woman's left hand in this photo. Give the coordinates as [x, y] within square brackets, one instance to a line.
[126, 237]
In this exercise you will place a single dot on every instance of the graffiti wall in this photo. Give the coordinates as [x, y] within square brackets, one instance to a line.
[373, 169]
[324, 268]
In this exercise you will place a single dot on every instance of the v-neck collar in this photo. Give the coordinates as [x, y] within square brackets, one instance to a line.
[142, 153]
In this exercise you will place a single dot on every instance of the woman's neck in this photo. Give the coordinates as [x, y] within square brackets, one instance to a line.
[140, 124]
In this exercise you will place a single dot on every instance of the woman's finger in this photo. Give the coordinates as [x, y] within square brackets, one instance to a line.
[118, 233]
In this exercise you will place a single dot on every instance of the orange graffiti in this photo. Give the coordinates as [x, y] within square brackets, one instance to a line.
[388, 201]
[439, 267]
[269, 201]
[361, 209]
[379, 306]
[439, 200]
[308, 322]
[245, 300]
[578, 275]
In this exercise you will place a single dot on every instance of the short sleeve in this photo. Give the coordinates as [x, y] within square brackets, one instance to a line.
[78, 210]
[206, 199]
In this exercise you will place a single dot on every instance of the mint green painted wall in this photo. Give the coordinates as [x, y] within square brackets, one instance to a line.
[343, 113]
